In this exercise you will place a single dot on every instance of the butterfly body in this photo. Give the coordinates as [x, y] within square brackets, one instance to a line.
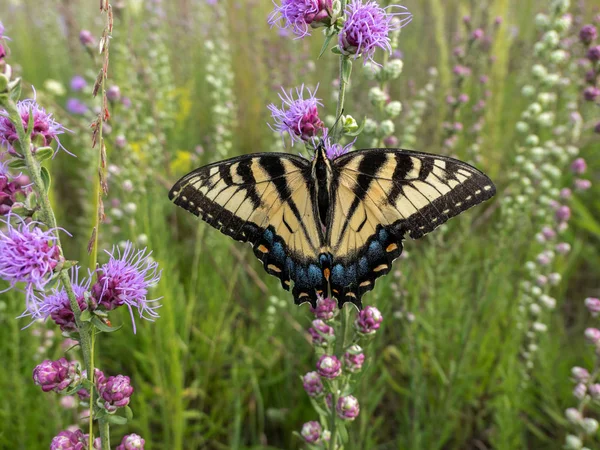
[330, 226]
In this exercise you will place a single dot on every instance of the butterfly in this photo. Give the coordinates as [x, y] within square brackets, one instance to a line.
[330, 227]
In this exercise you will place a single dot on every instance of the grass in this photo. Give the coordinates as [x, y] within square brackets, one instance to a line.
[219, 369]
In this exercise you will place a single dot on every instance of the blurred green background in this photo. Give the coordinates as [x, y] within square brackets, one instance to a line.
[220, 368]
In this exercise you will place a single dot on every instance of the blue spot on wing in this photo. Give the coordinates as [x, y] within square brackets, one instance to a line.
[337, 275]
[268, 235]
[278, 252]
[315, 276]
[363, 266]
[375, 250]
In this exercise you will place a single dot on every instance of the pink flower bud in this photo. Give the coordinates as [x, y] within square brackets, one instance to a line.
[593, 306]
[311, 432]
[347, 407]
[329, 367]
[592, 335]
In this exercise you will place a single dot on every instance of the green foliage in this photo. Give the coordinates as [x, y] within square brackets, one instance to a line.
[219, 369]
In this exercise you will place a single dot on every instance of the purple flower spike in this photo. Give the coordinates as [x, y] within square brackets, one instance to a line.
[125, 280]
[29, 255]
[55, 375]
[591, 93]
[69, 440]
[579, 166]
[329, 367]
[300, 14]
[76, 106]
[312, 384]
[116, 392]
[45, 128]
[298, 117]
[347, 407]
[325, 310]
[588, 34]
[367, 28]
[311, 432]
[131, 442]
[594, 53]
[78, 83]
[321, 333]
[10, 189]
[593, 306]
[368, 320]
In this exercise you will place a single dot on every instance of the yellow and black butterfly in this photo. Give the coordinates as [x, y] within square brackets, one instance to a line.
[330, 226]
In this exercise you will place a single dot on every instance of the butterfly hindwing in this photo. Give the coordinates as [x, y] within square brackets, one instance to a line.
[267, 200]
[379, 196]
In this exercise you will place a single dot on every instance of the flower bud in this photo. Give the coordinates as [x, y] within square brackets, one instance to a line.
[387, 128]
[326, 309]
[592, 335]
[368, 320]
[311, 432]
[312, 384]
[347, 407]
[589, 426]
[377, 96]
[580, 375]
[579, 391]
[321, 333]
[328, 366]
[393, 109]
[573, 415]
[354, 359]
[393, 68]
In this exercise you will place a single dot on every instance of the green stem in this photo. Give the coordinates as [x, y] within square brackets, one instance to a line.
[333, 439]
[337, 132]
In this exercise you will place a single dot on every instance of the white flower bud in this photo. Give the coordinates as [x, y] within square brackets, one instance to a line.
[393, 109]
[377, 96]
[387, 128]
[370, 126]
[551, 38]
[542, 21]
[539, 71]
[522, 127]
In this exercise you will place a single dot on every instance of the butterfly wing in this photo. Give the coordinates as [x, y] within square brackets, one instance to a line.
[266, 199]
[379, 195]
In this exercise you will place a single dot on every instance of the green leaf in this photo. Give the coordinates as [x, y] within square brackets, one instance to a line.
[336, 50]
[86, 315]
[128, 413]
[45, 178]
[325, 45]
[342, 431]
[14, 88]
[30, 122]
[103, 327]
[116, 420]
[44, 153]
[346, 69]
[17, 163]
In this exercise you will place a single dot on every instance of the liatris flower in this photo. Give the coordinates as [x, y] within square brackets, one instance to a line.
[588, 34]
[477, 34]
[312, 384]
[368, 320]
[116, 392]
[56, 375]
[594, 53]
[579, 166]
[131, 442]
[10, 188]
[328, 366]
[593, 306]
[298, 117]
[300, 14]
[592, 335]
[591, 93]
[582, 185]
[563, 213]
[113, 93]
[29, 255]
[579, 391]
[76, 106]
[354, 359]
[125, 280]
[99, 381]
[45, 128]
[311, 432]
[87, 38]
[335, 150]
[57, 306]
[325, 310]
[78, 83]
[347, 407]
[69, 440]
[594, 391]
[367, 28]
[321, 333]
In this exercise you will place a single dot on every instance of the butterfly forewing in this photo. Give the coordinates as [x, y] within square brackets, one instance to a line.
[266, 200]
[379, 196]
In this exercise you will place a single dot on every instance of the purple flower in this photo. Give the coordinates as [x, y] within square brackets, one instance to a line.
[125, 280]
[579, 166]
[593, 305]
[498, 20]
[326, 308]
[587, 34]
[56, 375]
[477, 34]
[591, 93]
[69, 440]
[463, 98]
[78, 83]
[354, 359]
[328, 366]
[131, 442]
[579, 391]
[563, 213]
[594, 391]
[347, 407]
[300, 14]
[461, 71]
[45, 128]
[56, 304]
[29, 255]
[582, 185]
[590, 76]
[335, 150]
[594, 53]
[367, 28]
[298, 117]
[116, 392]
[484, 79]
[321, 333]
[368, 320]
[563, 248]
[99, 381]
[10, 189]
[76, 106]
[592, 335]
[113, 93]
[580, 375]
[87, 38]
[312, 384]
[2, 52]
[311, 432]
